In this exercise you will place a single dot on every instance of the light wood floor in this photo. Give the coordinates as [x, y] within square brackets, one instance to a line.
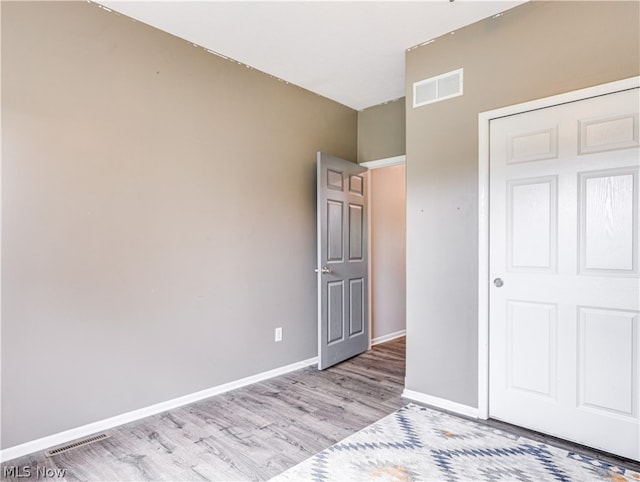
[256, 432]
[252, 433]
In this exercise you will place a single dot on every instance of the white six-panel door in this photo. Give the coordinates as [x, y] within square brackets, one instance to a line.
[564, 299]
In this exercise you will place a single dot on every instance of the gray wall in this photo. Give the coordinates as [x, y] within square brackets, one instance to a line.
[381, 131]
[158, 209]
[535, 50]
[387, 203]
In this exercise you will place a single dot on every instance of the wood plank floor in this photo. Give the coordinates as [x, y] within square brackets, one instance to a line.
[255, 432]
[252, 433]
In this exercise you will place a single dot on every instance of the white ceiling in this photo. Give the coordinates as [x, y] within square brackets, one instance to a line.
[351, 52]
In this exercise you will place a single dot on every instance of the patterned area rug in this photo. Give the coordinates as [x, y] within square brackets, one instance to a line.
[416, 443]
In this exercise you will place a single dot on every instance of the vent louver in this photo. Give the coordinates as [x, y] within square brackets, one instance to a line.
[437, 88]
[76, 444]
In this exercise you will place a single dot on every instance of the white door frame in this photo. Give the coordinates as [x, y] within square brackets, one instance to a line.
[483, 213]
[370, 165]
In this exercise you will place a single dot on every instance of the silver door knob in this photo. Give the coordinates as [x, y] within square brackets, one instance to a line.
[325, 270]
[498, 282]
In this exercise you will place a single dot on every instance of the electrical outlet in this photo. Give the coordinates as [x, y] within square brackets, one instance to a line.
[279, 334]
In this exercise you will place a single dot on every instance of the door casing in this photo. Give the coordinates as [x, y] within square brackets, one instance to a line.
[484, 119]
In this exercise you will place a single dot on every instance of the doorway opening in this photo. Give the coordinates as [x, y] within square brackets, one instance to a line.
[387, 248]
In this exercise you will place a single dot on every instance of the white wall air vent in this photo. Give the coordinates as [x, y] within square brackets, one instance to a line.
[437, 88]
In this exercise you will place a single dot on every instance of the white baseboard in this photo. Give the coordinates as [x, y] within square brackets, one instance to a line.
[391, 336]
[442, 403]
[109, 423]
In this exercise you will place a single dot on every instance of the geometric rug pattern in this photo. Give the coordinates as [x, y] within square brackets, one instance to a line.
[419, 444]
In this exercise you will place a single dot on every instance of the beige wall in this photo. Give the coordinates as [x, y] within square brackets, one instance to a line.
[535, 50]
[387, 204]
[158, 210]
[381, 131]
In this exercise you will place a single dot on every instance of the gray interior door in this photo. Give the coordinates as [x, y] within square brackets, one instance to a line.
[343, 321]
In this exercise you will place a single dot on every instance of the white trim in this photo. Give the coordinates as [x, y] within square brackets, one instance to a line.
[483, 268]
[319, 256]
[388, 337]
[106, 424]
[386, 162]
[483, 212]
[441, 403]
[369, 263]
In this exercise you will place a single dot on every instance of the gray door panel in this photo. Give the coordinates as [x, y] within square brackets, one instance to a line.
[343, 319]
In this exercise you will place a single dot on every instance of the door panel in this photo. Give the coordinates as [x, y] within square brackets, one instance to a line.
[608, 133]
[356, 225]
[531, 328]
[335, 235]
[356, 302]
[335, 315]
[608, 242]
[564, 336]
[532, 224]
[343, 323]
[607, 383]
[533, 146]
